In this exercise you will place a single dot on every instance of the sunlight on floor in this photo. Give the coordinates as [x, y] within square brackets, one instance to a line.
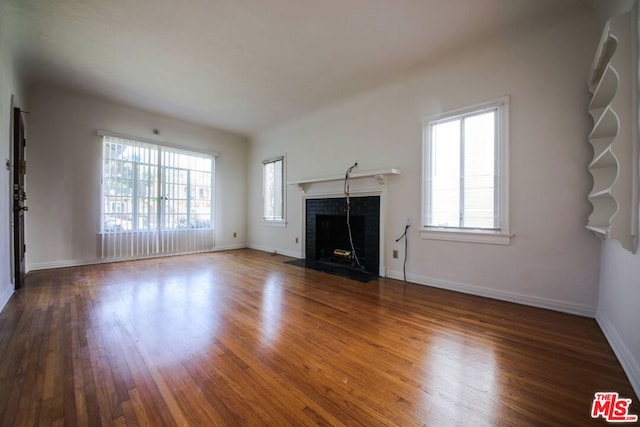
[464, 372]
[270, 312]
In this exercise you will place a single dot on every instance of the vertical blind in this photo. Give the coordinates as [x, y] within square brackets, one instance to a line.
[155, 200]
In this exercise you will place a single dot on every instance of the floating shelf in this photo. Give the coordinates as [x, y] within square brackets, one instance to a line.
[603, 229]
[606, 90]
[606, 126]
[614, 110]
[604, 159]
[600, 218]
[603, 179]
[600, 147]
[379, 175]
[607, 47]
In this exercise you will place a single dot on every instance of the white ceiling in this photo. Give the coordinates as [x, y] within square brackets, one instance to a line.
[245, 65]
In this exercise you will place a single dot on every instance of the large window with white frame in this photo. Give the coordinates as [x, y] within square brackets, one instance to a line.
[465, 168]
[147, 187]
[273, 194]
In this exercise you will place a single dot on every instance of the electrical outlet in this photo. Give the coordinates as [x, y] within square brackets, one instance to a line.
[395, 253]
[235, 234]
[408, 221]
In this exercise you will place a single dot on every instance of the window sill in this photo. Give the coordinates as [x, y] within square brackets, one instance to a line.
[491, 238]
[274, 223]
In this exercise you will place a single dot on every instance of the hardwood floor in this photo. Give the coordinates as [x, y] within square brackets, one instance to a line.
[240, 338]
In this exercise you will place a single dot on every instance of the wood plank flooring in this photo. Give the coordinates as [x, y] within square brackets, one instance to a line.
[240, 338]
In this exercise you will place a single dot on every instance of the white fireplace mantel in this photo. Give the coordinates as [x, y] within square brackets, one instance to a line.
[380, 175]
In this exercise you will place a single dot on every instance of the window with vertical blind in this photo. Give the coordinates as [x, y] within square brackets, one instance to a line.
[155, 199]
[465, 179]
[273, 196]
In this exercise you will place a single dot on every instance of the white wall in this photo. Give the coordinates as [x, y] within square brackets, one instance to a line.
[619, 302]
[63, 183]
[10, 95]
[618, 308]
[553, 261]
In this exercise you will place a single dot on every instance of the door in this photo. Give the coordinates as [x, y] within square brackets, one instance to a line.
[19, 196]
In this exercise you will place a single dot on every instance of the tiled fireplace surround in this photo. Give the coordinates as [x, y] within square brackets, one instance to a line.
[362, 207]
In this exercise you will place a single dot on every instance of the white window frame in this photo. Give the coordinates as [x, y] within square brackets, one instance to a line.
[278, 222]
[502, 234]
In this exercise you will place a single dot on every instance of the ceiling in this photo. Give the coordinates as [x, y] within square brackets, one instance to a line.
[245, 65]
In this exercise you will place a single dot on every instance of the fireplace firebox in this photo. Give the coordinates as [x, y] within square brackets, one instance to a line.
[326, 231]
[332, 238]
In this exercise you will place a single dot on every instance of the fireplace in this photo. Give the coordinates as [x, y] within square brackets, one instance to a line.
[332, 234]
[326, 231]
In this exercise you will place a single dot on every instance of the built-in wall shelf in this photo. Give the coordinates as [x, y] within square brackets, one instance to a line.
[614, 137]
[380, 175]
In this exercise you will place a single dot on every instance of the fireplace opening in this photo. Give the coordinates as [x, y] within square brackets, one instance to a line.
[326, 231]
[332, 239]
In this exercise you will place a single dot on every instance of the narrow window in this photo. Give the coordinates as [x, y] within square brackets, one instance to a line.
[273, 190]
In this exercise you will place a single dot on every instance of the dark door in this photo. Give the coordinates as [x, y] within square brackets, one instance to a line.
[19, 196]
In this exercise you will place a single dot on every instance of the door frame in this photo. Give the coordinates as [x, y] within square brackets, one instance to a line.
[18, 260]
[10, 166]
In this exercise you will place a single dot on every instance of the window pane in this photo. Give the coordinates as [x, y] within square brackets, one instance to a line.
[147, 196]
[175, 190]
[273, 190]
[479, 171]
[118, 191]
[268, 197]
[187, 192]
[200, 212]
[277, 184]
[444, 199]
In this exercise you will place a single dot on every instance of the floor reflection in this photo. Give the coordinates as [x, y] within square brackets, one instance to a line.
[174, 317]
[271, 311]
[463, 376]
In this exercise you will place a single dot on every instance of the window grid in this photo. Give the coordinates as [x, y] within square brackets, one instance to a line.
[149, 188]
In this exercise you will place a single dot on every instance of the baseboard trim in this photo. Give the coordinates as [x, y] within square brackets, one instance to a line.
[546, 303]
[6, 296]
[627, 360]
[271, 250]
[65, 263]
[229, 247]
[80, 262]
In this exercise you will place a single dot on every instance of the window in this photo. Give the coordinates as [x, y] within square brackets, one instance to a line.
[153, 188]
[465, 175]
[273, 190]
